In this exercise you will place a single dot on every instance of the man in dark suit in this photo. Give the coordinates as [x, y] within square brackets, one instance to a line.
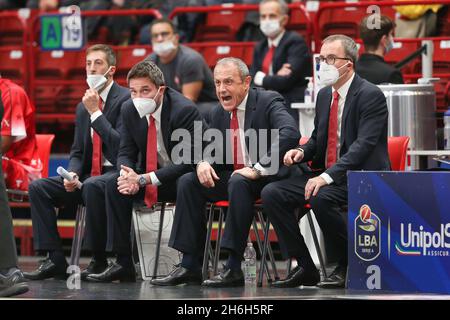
[282, 61]
[92, 160]
[12, 281]
[350, 133]
[154, 116]
[377, 43]
[235, 171]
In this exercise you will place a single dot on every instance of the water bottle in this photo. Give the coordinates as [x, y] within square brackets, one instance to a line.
[250, 264]
[309, 92]
[447, 130]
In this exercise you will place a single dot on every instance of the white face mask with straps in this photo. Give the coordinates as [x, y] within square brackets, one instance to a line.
[328, 74]
[97, 81]
[163, 49]
[145, 106]
[270, 28]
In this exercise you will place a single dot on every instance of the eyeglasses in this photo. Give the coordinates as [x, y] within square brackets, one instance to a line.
[164, 35]
[329, 59]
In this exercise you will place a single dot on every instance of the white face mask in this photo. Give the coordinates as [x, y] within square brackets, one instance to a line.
[163, 49]
[97, 81]
[270, 28]
[145, 106]
[389, 46]
[329, 74]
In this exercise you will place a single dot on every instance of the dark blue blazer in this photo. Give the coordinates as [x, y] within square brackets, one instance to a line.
[265, 110]
[291, 49]
[177, 112]
[107, 126]
[363, 131]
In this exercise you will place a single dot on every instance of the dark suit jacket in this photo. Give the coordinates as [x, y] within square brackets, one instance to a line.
[363, 131]
[265, 110]
[291, 49]
[374, 69]
[107, 126]
[177, 112]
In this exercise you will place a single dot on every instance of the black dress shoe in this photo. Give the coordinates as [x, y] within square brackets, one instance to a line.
[179, 275]
[336, 279]
[47, 269]
[114, 272]
[297, 277]
[12, 283]
[227, 278]
[94, 267]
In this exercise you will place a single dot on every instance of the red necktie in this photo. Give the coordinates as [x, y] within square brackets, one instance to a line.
[151, 191]
[96, 167]
[268, 60]
[238, 162]
[332, 131]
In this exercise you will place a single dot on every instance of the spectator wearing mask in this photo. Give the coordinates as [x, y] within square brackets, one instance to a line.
[377, 43]
[282, 61]
[184, 69]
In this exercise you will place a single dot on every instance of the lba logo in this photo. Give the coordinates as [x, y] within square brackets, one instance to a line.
[367, 234]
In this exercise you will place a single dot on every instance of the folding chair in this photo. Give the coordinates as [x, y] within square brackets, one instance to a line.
[266, 245]
[80, 223]
[214, 256]
[162, 205]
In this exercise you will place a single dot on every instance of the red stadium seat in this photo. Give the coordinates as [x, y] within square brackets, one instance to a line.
[400, 51]
[220, 26]
[13, 64]
[12, 28]
[441, 56]
[127, 57]
[299, 22]
[441, 88]
[58, 81]
[397, 148]
[213, 51]
[346, 20]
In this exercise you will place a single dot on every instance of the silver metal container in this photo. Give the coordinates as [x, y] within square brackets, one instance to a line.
[412, 113]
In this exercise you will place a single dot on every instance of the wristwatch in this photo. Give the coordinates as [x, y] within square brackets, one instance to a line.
[142, 182]
[258, 172]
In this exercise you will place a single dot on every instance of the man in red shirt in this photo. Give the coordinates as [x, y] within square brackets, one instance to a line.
[20, 159]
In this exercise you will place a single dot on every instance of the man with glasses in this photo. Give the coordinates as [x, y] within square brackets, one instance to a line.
[184, 69]
[350, 133]
[232, 173]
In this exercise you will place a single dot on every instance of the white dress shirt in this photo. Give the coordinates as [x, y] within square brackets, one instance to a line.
[342, 91]
[98, 113]
[259, 76]
[241, 120]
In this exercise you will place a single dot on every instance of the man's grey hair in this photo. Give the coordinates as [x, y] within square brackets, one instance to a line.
[147, 69]
[283, 5]
[350, 48]
[242, 67]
